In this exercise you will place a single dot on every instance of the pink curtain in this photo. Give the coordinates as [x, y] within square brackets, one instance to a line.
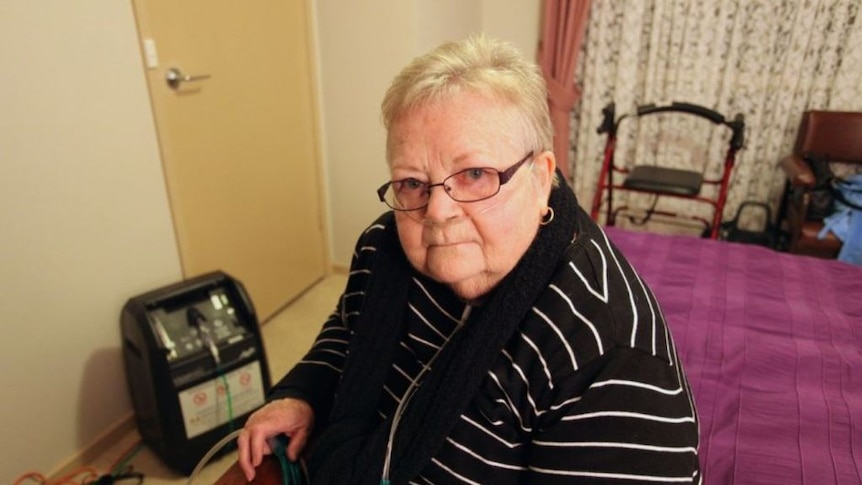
[564, 26]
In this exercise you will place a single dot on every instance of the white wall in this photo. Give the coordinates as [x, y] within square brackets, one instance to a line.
[84, 222]
[84, 217]
[363, 44]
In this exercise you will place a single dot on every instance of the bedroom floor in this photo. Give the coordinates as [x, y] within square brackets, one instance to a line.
[286, 336]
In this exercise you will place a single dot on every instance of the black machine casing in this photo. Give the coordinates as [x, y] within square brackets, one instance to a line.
[195, 365]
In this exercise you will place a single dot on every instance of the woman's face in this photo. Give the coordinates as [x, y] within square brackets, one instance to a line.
[468, 246]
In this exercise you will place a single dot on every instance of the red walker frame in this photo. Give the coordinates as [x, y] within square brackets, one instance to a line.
[606, 182]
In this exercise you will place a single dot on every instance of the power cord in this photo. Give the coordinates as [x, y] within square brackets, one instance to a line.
[121, 470]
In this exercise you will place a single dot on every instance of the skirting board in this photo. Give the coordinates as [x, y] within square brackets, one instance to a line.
[100, 446]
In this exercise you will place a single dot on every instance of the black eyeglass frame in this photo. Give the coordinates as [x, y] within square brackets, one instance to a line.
[504, 177]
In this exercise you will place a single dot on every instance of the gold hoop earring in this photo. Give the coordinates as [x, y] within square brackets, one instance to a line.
[548, 217]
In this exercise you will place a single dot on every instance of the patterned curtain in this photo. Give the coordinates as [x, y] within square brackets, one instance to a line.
[767, 59]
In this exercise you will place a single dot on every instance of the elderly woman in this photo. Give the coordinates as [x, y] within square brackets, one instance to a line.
[489, 332]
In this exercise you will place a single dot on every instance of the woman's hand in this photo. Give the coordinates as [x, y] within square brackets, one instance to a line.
[292, 417]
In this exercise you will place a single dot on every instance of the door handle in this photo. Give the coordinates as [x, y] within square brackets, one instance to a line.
[175, 77]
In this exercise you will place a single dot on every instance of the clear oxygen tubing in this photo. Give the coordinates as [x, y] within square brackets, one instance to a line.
[408, 394]
[209, 454]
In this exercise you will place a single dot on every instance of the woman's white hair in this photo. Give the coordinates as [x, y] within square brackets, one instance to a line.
[481, 65]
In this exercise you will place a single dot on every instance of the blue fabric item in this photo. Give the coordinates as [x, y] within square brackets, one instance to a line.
[846, 222]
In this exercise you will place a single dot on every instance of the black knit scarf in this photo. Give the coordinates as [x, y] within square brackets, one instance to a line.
[351, 449]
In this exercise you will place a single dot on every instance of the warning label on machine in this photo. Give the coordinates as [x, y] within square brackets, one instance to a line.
[215, 402]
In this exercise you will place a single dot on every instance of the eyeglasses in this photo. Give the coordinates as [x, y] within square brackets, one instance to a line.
[468, 185]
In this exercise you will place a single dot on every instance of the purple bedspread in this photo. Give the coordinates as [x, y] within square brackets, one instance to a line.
[772, 346]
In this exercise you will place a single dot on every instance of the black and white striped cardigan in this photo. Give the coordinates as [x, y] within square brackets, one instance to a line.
[589, 390]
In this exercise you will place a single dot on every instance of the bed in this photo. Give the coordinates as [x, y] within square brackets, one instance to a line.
[772, 346]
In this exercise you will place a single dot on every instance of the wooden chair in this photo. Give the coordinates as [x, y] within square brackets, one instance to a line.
[269, 472]
[833, 136]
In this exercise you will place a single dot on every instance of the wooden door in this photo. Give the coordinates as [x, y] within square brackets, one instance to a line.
[238, 139]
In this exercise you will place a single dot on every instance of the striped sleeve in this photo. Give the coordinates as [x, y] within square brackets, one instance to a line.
[314, 378]
[620, 410]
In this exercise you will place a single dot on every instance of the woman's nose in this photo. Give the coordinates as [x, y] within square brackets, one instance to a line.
[440, 205]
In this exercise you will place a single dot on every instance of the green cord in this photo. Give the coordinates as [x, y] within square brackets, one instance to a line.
[291, 474]
[121, 466]
[229, 401]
